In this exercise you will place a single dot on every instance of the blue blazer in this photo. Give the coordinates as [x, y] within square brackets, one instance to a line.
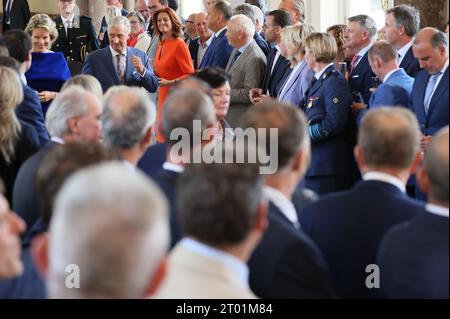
[287, 264]
[413, 259]
[437, 116]
[167, 181]
[349, 226]
[410, 64]
[100, 64]
[153, 160]
[262, 44]
[30, 112]
[360, 80]
[218, 53]
[394, 92]
[327, 107]
[295, 90]
[273, 82]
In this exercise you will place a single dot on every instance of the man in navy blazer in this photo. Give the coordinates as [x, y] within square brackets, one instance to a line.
[429, 98]
[107, 64]
[287, 264]
[18, 14]
[413, 257]
[396, 85]
[402, 24]
[360, 32]
[181, 108]
[219, 52]
[199, 46]
[18, 44]
[348, 226]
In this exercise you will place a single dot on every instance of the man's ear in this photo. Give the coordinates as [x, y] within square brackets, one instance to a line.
[416, 163]
[359, 158]
[148, 138]
[422, 180]
[157, 278]
[40, 248]
[73, 125]
[261, 216]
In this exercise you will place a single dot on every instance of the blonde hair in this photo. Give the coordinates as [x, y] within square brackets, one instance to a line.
[11, 94]
[87, 82]
[296, 35]
[42, 21]
[323, 46]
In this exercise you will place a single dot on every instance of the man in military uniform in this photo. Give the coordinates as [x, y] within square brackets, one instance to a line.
[76, 33]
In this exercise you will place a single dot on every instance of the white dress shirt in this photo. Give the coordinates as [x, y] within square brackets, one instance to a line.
[386, 178]
[283, 204]
[67, 20]
[362, 53]
[402, 52]
[173, 167]
[437, 210]
[202, 48]
[439, 79]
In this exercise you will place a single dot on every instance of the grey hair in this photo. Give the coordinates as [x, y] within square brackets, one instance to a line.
[259, 15]
[138, 16]
[127, 116]
[389, 137]
[407, 17]
[247, 10]
[438, 40]
[436, 165]
[69, 104]
[367, 23]
[113, 225]
[120, 21]
[242, 23]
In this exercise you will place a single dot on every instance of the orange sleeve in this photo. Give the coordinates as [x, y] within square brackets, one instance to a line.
[184, 59]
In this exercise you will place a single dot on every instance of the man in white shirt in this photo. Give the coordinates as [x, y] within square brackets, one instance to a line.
[413, 257]
[198, 47]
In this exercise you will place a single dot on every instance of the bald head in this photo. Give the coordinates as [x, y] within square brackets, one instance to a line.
[436, 166]
[431, 49]
[389, 137]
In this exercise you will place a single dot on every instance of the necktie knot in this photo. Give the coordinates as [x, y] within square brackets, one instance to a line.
[354, 62]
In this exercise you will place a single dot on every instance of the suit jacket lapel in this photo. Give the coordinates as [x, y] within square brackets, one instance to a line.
[241, 58]
[109, 65]
[130, 68]
[442, 87]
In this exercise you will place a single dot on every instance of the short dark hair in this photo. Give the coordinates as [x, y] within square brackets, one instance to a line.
[290, 123]
[439, 39]
[214, 76]
[18, 44]
[173, 4]
[61, 162]
[218, 202]
[281, 18]
[9, 63]
[223, 8]
[407, 17]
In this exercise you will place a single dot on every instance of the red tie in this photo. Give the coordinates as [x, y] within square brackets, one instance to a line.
[354, 61]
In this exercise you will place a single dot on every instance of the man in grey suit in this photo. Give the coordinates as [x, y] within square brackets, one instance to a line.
[246, 66]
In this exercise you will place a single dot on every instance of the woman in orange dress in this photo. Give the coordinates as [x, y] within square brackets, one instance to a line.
[173, 60]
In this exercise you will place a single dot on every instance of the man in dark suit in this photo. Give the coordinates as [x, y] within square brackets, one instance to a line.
[16, 14]
[348, 226]
[199, 46]
[413, 256]
[287, 264]
[119, 65]
[76, 34]
[180, 111]
[18, 44]
[74, 115]
[218, 53]
[429, 99]
[278, 67]
[402, 24]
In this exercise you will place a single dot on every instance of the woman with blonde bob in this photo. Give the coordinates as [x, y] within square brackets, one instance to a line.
[18, 140]
[49, 69]
[327, 106]
[87, 82]
[292, 47]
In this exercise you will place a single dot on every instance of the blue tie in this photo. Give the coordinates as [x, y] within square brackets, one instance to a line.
[236, 56]
[430, 89]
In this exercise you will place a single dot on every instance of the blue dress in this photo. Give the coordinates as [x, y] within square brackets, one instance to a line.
[48, 72]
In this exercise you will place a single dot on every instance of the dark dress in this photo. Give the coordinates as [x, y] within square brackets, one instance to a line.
[48, 72]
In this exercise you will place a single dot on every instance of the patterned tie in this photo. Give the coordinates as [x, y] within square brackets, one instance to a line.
[354, 62]
[8, 12]
[430, 89]
[121, 67]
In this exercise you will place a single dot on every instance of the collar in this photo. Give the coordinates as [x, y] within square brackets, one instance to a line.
[437, 210]
[385, 178]
[23, 78]
[237, 267]
[57, 140]
[283, 204]
[219, 32]
[445, 67]
[129, 166]
[402, 52]
[278, 48]
[387, 76]
[207, 42]
[114, 53]
[242, 49]
[363, 52]
[319, 74]
[70, 18]
[173, 167]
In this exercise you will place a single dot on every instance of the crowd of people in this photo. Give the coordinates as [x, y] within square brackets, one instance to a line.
[97, 187]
